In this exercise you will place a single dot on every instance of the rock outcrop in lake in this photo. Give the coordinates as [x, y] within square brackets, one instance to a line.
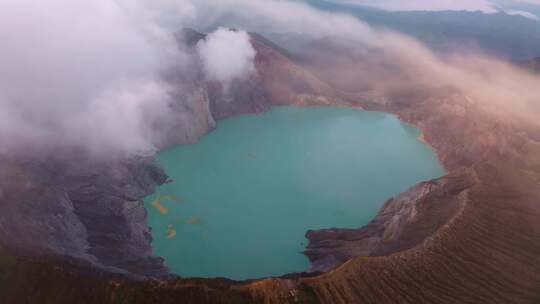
[80, 236]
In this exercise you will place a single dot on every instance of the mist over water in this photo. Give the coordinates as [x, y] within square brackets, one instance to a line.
[242, 198]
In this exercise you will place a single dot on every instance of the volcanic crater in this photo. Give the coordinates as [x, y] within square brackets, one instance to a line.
[469, 236]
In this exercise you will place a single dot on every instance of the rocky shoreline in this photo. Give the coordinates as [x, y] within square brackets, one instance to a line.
[402, 223]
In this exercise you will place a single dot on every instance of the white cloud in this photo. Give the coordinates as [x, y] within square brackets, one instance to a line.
[80, 73]
[227, 55]
[124, 114]
[523, 14]
[261, 15]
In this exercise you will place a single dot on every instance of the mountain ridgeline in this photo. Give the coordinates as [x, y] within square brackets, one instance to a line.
[517, 37]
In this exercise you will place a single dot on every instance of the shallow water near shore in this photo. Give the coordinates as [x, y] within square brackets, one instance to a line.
[243, 197]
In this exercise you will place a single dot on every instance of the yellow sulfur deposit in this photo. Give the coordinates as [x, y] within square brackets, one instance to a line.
[171, 232]
[159, 207]
[193, 221]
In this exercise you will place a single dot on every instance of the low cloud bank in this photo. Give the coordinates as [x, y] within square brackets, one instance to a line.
[227, 55]
[523, 14]
[77, 73]
[89, 74]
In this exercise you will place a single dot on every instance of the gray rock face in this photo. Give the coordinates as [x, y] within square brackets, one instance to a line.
[90, 211]
[192, 119]
[242, 97]
[111, 209]
[37, 220]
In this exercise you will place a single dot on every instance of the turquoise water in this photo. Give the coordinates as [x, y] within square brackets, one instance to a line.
[244, 196]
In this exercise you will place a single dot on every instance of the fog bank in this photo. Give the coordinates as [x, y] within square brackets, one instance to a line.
[90, 74]
[76, 73]
[385, 60]
[227, 55]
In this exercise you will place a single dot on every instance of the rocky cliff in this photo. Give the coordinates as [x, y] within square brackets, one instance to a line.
[90, 211]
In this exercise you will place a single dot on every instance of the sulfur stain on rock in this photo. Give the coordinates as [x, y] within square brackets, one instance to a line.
[171, 232]
[421, 138]
[194, 221]
[159, 207]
